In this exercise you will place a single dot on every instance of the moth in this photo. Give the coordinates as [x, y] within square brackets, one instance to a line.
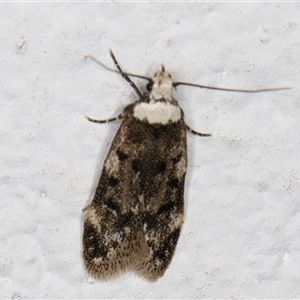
[134, 220]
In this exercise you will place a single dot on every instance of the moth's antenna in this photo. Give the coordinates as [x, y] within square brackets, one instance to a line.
[175, 84]
[115, 71]
[124, 75]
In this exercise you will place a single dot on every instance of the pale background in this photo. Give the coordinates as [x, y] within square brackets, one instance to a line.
[241, 236]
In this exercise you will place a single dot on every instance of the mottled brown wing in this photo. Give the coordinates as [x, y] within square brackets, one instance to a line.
[162, 177]
[134, 220]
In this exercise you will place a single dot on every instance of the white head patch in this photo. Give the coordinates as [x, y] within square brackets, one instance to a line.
[162, 86]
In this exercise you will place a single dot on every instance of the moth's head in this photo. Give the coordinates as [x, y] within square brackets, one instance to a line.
[160, 86]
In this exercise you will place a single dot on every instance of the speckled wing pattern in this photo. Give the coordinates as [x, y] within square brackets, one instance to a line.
[135, 218]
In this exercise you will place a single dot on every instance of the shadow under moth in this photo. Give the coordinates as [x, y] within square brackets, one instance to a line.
[134, 220]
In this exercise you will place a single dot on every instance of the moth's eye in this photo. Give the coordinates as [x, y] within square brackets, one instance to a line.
[149, 85]
[170, 76]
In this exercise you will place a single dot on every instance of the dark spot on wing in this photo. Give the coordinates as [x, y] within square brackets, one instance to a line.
[173, 182]
[122, 156]
[113, 181]
[94, 249]
[162, 252]
[161, 167]
[150, 220]
[165, 208]
[113, 206]
[176, 159]
[136, 165]
[123, 220]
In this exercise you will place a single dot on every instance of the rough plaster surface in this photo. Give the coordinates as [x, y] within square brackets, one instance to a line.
[241, 236]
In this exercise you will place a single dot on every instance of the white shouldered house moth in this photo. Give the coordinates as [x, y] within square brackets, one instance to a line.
[134, 220]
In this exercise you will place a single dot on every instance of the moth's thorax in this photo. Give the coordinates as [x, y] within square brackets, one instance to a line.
[160, 107]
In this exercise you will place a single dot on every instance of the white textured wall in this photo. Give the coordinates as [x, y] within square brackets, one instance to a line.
[241, 236]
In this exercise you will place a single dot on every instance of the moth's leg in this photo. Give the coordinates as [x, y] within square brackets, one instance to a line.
[196, 132]
[124, 75]
[119, 117]
[85, 208]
